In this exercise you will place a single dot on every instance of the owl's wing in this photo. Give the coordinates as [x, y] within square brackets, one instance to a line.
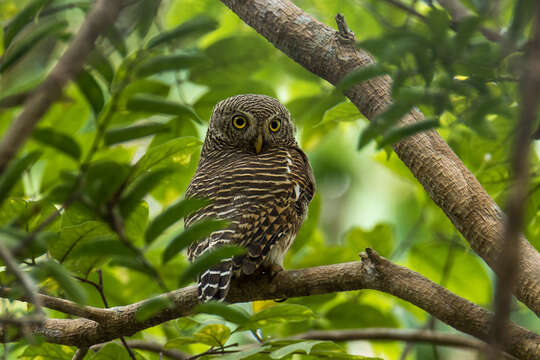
[276, 221]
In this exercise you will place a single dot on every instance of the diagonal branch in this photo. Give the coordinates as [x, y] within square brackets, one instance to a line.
[409, 335]
[62, 305]
[102, 15]
[445, 178]
[373, 272]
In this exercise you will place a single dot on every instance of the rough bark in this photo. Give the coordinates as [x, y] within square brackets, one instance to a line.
[445, 178]
[373, 272]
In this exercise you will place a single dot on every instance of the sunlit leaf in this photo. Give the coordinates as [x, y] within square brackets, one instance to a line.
[280, 313]
[67, 283]
[228, 312]
[24, 17]
[213, 335]
[47, 351]
[140, 189]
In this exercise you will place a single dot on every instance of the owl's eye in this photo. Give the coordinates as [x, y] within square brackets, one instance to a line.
[275, 125]
[239, 121]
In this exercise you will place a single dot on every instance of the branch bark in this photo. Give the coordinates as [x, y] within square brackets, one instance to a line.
[449, 183]
[102, 15]
[422, 336]
[373, 272]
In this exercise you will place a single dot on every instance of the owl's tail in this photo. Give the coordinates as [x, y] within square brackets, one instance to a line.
[214, 283]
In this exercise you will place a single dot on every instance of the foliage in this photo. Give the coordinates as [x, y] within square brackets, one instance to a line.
[113, 157]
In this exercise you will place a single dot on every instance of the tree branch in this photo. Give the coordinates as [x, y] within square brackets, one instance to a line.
[422, 336]
[62, 305]
[448, 182]
[27, 283]
[102, 15]
[373, 272]
[458, 12]
[507, 264]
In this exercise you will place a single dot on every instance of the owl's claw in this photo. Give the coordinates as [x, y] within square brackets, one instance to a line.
[271, 270]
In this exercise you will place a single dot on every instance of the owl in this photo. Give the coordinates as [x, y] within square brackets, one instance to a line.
[258, 180]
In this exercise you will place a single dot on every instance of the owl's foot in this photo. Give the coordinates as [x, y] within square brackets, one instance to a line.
[271, 269]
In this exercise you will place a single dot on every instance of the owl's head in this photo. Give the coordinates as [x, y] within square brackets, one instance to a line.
[251, 123]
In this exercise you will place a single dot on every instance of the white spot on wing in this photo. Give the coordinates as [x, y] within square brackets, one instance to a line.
[297, 191]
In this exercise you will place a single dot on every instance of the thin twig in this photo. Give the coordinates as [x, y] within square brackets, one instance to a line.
[509, 257]
[27, 283]
[102, 15]
[80, 353]
[150, 346]
[62, 305]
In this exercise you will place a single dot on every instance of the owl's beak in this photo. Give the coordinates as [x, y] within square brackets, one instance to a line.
[258, 144]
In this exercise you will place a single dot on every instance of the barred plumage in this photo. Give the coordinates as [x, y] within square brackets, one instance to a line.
[258, 179]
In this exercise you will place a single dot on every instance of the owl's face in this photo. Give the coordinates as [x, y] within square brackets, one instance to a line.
[252, 123]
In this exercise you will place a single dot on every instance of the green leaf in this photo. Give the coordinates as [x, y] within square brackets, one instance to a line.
[171, 215]
[151, 307]
[214, 335]
[139, 190]
[71, 237]
[345, 111]
[24, 17]
[47, 351]
[299, 347]
[60, 141]
[172, 153]
[101, 246]
[195, 27]
[129, 262]
[156, 105]
[102, 65]
[91, 90]
[277, 314]
[232, 313]
[13, 173]
[360, 75]
[115, 37]
[396, 134]
[177, 62]
[207, 260]
[103, 179]
[22, 46]
[67, 283]
[194, 233]
[145, 86]
[246, 353]
[113, 351]
[120, 135]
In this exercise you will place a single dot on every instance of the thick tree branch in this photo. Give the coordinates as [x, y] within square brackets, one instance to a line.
[449, 183]
[102, 15]
[373, 272]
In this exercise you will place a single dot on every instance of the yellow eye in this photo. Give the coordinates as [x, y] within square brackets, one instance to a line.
[275, 125]
[239, 121]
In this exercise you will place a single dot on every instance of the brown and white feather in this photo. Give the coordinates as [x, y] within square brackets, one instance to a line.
[264, 196]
